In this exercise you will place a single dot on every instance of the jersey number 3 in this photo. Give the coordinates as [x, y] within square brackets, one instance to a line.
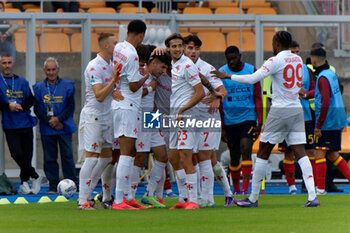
[289, 75]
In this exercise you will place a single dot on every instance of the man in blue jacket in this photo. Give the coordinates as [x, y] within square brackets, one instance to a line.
[54, 106]
[16, 99]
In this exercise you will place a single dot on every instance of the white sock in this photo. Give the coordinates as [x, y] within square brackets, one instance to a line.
[85, 180]
[181, 184]
[97, 172]
[114, 176]
[160, 187]
[155, 177]
[207, 178]
[292, 187]
[306, 169]
[106, 179]
[196, 167]
[123, 178]
[134, 180]
[258, 176]
[221, 177]
[192, 187]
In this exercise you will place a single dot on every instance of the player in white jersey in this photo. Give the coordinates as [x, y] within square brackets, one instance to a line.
[125, 111]
[285, 119]
[209, 137]
[95, 130]
[187, 91]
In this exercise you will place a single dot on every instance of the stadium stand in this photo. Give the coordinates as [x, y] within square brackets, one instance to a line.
[91, 4]
[76, 42]
[261, 11]
[56, 42]
[20, 42]
[125, 4]
[132, 10]
[217, 4]
[246, 4]
[101, 10]
[229, 11]
[30, 6]
[212, 41]
[199, 11]
[106, 10]
[248, 40]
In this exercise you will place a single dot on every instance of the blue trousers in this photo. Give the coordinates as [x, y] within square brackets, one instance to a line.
[51, 168]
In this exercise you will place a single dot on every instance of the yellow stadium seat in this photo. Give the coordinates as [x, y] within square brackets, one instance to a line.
[248, 40]
[102, 10]
[246, 4]
[76, 42]
[229, 11]
[132, 10]
[345, 141]
[30, 6]
[8, 5]
[199, 11]
[12, 10]
[125, 4]
[55, 42]
[68, 30]
[91, 4]
[268, 35]
[20, 42]
[212, 41]
[261, 11]
[216, 4]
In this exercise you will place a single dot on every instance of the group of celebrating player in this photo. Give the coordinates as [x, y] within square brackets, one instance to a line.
[128, 79]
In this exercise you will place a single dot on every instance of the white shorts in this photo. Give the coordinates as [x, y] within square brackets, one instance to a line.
[183, 138]
[209, 138]
[94, 133]
[116, 144]
[146, 140]
[284, 125]
[125, 123]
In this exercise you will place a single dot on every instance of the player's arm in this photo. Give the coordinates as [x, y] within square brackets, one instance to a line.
[215, 104]
[102, 92]
[325, 90]
[134, 86]
[206, 83]
[197, 96]
[152, 87]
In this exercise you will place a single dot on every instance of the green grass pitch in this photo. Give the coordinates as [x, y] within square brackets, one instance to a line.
[275, 214]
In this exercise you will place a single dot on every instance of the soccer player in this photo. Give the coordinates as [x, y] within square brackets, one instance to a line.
[308, 87]
[330, 119]
[242, 116]
[125, 111]
[285, 120]
[187, 91]
[209, 138]
[95, 118]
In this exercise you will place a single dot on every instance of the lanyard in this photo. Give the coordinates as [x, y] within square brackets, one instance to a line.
[49, 92]
[13, 84]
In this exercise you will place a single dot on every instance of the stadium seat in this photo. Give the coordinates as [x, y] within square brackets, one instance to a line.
[268, 35]
[30, 6]
[91, 4]
[132, 10]
[261, 11]
[229, 11]
[8, 4]
[222, 4]
[38, 30]
[248, 40]
[212, 41]
[102, 10]
[199, 11]
[76, 42]
[12, 10]
[126, 4]
[20, 42]
[246, 4]
[68, 30]
[345, 141]
[106, 10]
[55, 42]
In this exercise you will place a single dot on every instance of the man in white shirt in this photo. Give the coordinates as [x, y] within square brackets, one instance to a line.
[187, 91]
[125, 111]
[95, 118]
[209, 137]
[285, 119]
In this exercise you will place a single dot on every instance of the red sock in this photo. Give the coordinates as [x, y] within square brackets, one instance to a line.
[321, 169]
[246, 173]
[167, 184]
[313, 165]
[341, 164]
[289, 171]
[235, 176]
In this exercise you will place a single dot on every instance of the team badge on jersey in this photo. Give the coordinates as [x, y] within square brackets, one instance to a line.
[151, 120]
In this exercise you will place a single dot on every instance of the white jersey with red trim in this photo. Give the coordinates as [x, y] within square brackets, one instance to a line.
[126, 56]
[163, 93]
[286, 70]
[184, 77]
[98, 71]
[205, 68]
